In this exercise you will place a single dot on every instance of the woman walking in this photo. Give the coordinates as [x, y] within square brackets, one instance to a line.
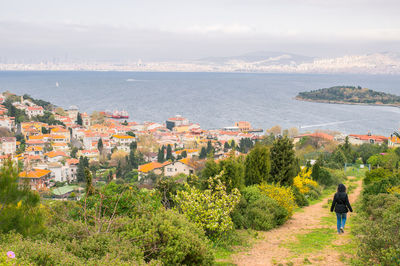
[341, 205]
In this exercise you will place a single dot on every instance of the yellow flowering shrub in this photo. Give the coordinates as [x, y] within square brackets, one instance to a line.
[284, 196]
[394, 190]
[209, 209]
[303, 181]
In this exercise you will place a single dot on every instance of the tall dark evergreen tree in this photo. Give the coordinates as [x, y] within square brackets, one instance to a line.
[80, 173]
[79, 119]
[89, 182]
[210, 148]
[203, 153]
[100, 146]
[257, 165]
[133, 146]
[169, 153]
[160, 155]
[283, 161]
[184, 154]
[226, 146]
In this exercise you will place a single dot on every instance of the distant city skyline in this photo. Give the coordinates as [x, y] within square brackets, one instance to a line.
[151, 30]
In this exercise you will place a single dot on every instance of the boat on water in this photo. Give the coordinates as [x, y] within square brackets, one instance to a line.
[120, 114]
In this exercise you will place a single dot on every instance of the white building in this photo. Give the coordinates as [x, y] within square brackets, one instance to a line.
[32, 111]
[8, 145]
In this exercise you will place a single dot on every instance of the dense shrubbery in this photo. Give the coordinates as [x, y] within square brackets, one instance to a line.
[378, 221]
[209, 209]
[257, 211]
[282, 195]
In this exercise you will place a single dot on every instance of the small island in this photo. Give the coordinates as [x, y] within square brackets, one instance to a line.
[349, 95]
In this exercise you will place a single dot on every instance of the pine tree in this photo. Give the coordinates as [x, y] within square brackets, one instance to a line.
[89, 182]
[80, 173]
[226, 146]
[210, 148]
[232, 172]
[184, 154]
[257, 165]
[169, 153]
[283, 161]
[160, 155]
[118, 171]
[19, 206]
[203, 153]
[100, 145]
[233, 144]
[79, 119]
[133, 146]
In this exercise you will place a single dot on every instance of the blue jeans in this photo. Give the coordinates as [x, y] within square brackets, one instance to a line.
[341, 220]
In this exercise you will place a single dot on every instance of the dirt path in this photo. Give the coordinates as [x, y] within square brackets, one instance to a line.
[271, 249]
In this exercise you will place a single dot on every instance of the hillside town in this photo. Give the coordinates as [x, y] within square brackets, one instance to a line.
[50, 143]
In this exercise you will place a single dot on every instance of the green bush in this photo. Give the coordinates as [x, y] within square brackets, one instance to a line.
[257, 211]
[376, 175]
[381, 185]
[170, 238]
[301, 200]
[379, 239]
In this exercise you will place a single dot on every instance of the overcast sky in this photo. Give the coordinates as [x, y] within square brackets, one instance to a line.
[184, 29]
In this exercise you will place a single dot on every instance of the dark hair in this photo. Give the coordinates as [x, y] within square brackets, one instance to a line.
[341, 188]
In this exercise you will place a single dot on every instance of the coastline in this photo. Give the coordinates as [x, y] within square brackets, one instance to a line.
[342, 102]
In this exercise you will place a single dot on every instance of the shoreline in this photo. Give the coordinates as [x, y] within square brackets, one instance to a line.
[345, 103]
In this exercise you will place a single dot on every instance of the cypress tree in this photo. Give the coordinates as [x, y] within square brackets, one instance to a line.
[169, 153]
[79, 119]
[283, 161]
[160, 156]
[257, 165]
[203, 153]
[100, 145]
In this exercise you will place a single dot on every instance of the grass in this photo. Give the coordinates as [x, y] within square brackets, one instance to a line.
[357, 172]
[240, 240]
[316, 240]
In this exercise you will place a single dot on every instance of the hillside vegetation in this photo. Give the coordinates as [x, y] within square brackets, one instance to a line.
[349, 95]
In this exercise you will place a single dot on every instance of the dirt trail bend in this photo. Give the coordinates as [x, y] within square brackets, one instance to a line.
[270, 250]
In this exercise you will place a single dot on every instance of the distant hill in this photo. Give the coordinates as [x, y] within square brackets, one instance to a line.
[350, 95]
[261, 58]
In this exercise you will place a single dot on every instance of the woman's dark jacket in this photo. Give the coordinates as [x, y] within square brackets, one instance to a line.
[341, 202]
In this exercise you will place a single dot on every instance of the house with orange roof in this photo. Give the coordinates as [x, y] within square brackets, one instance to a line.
[60, 146]
[59, 139]
[34, 150]
[184, 166]
[190, 152]
[91, 154]
[35, 142]
[369, 138]
[55, 156]
[70, 169]
[60, 131]
[155, 167]
[36, 110]
[37, 178]
[8, 145]
[122, 142]
[394, 142]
